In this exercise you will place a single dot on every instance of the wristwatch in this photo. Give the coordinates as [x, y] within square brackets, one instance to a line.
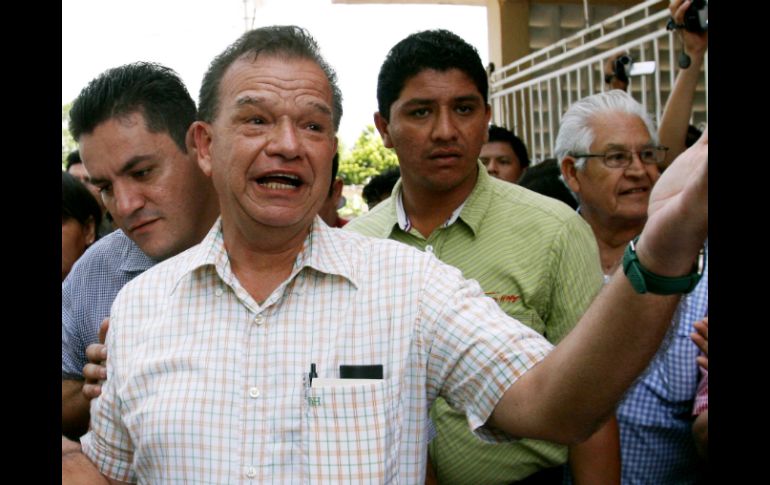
[644, 281]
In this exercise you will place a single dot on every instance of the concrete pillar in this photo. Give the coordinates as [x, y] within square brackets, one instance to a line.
[508, 30]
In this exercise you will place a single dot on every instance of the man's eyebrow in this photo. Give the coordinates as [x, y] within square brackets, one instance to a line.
[322, 107]
[258, 100]
[620, 146]
[475, 98]
[127, 167]
[249, 100]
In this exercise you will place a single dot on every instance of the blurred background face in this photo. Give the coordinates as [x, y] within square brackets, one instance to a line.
[75, 238]
[501, 161]
[78, 171]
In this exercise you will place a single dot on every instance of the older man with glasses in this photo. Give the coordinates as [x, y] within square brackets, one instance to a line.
[610, 158]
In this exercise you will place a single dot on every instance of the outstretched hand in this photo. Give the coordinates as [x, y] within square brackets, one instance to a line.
[677, 223]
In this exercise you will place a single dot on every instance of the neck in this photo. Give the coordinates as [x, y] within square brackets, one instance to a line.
[262, 258]
[612, 237]
[427, 209]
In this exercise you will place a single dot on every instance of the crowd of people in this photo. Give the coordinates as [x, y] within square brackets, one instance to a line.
[467, 329]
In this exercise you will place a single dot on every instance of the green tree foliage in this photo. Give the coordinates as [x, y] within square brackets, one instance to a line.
[367, 158]
[67, 143]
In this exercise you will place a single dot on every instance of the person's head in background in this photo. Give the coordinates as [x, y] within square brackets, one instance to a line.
[131, 124]
[334, 201]
[76, 168]
[80, 216]
[504, 155]
[432, 109]
[613, 79]
[380, 186]
[609, 155]
[545, 178]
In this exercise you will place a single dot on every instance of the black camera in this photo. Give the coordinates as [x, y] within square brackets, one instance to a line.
[623, 67]
[696, 18]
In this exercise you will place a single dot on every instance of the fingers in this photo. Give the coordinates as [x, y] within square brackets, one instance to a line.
[703, 361]
[96, 353]
[678, 8]
[700, 342]
[702, 327]
[94, 372]
[103, 330]
[91, 391]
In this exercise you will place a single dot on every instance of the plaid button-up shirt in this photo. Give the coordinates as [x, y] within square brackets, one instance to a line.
[208, 386]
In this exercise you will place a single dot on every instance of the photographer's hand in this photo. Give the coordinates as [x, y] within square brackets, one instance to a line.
[695, 43]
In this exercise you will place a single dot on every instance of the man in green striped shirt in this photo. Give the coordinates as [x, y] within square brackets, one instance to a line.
[534, 255]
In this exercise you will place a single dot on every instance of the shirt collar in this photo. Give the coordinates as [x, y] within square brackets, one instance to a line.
[321, 251]
[472, 211]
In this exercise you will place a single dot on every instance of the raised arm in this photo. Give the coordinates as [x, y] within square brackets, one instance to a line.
[621, 331]
[676, 114]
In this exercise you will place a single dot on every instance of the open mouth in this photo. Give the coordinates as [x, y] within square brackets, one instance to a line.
[279, 181]
[637, 190]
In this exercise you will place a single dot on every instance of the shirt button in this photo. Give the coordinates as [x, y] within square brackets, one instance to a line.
[259, 319]
[251, 472]
[218, 292]
[429, 248]
[254, 392]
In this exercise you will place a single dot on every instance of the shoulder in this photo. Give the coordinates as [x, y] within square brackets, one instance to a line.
[377, 222]
[512, 198]
[112, 259]
[163, 275]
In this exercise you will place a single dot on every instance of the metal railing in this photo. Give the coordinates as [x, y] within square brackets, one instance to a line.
[530, 95]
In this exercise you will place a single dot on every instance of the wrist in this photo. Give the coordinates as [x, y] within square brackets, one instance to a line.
[647, 275]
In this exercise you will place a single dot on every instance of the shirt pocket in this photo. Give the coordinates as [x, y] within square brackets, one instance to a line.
[349, 433]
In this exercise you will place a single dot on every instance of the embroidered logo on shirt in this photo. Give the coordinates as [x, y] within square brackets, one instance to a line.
[502, 298]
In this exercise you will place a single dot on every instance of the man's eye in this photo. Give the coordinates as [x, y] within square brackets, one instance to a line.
[616, 156]
[420, 113]
[484, 160]
[464, 110]
[647, 154]
[256, 121]
[503, 161]
[142, 173]
[315, 127]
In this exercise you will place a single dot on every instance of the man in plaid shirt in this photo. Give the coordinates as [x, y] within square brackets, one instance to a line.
[207, 345]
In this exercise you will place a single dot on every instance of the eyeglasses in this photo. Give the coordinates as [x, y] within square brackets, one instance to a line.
[623, 158]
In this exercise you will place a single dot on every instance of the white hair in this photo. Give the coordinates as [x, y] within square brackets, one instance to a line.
[575, 132]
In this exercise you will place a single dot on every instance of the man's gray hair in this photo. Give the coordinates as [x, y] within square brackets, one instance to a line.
[575, 132]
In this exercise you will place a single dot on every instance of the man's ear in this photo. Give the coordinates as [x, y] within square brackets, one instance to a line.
[337, 186]
[569, 173]
[199, 135]
[488, 116]
[383, 127]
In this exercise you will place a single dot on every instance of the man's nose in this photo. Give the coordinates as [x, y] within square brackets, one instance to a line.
[492, 167]
[444, 127]
[284, 141]
[127, 199]
[636, 167]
